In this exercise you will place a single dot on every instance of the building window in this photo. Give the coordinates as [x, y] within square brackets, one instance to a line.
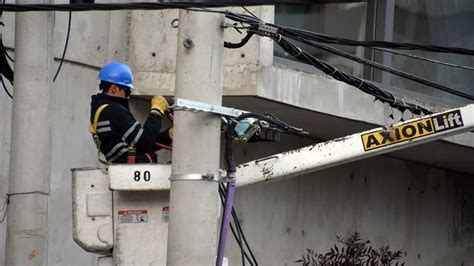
[437, 22]
[341, 19]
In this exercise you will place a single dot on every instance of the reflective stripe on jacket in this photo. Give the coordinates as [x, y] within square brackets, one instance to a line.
[117, 129]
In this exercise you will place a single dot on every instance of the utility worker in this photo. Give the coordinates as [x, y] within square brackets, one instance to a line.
[118, 136]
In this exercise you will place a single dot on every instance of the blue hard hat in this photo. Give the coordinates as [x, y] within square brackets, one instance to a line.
[117, 73]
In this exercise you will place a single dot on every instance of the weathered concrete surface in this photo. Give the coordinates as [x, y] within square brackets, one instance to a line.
[279, 83]
[5, 131]
[106, 34]
[318, 92]
[71, 147]
[425, 211]
[153, 54]
[5, 136]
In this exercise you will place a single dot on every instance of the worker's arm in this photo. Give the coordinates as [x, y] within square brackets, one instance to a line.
[164, 138]
[124, 126]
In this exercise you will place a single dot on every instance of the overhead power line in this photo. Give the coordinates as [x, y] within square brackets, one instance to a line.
[363, 85]
[323, 38]
[416, 57]
[277, 33]
[5, 87]
[287, 31]
[384, 68]
[127, 6]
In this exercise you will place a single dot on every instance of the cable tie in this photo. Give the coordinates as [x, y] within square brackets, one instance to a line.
[279, 38]
[299, 52]
[335, 70]
[362, 83]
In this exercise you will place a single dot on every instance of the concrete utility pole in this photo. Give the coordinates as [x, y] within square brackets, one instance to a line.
[27, 230]
[194, 204]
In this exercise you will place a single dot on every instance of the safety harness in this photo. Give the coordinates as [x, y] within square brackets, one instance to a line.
[131, 158]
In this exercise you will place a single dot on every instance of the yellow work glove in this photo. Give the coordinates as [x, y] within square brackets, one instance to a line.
[159, 103]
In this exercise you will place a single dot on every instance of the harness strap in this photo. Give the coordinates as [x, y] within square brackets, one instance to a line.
[93, 127]
[93, 131]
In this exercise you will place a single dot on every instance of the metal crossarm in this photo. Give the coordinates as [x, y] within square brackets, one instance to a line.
[195, 106]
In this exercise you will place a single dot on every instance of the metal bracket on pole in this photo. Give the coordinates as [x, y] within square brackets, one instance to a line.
[197, 177]
[195, 106]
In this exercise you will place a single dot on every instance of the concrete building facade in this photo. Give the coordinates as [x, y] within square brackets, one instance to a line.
[419, 200]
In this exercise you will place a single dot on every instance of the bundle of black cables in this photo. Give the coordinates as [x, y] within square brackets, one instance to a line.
[236, 228]
[274, 123]
[254, 25]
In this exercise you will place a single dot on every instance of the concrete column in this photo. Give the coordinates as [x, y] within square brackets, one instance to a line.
[384, 31]
[195, 211]
[27, 230]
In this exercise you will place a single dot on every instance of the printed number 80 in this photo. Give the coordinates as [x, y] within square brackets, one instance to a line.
[146, 176]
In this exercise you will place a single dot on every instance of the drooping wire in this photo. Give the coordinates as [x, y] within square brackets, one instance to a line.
[319, 37]
[363, 85]
[4, 209]
[252, 14]
[277, 32]
[424, 59]
[382, 67]
[9, 57]
[124, 6]
[65, 46]
[5, 87]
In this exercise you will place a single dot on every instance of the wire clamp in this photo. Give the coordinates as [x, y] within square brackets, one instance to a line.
[267, 30]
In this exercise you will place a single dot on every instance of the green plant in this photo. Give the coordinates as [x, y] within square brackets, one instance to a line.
[352, 252]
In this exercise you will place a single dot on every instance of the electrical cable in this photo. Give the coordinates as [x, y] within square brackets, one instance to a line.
[166, 147]
[237, 234]
[239, 228]
[229, 199]
[363, 85]
[124, 6]
[252, 14]
[383, 67]
[4, 208]
[273, 121]
[8, 56]
[424, 59]
[241, 17]
[277, 33]
[251, 259]
[65, 46]
[5, 87]
[241, 43]
[288, 31]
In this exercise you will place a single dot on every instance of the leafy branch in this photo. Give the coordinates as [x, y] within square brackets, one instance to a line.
[352, 252]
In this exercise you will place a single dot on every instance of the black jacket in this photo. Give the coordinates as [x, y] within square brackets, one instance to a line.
[117, 130]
